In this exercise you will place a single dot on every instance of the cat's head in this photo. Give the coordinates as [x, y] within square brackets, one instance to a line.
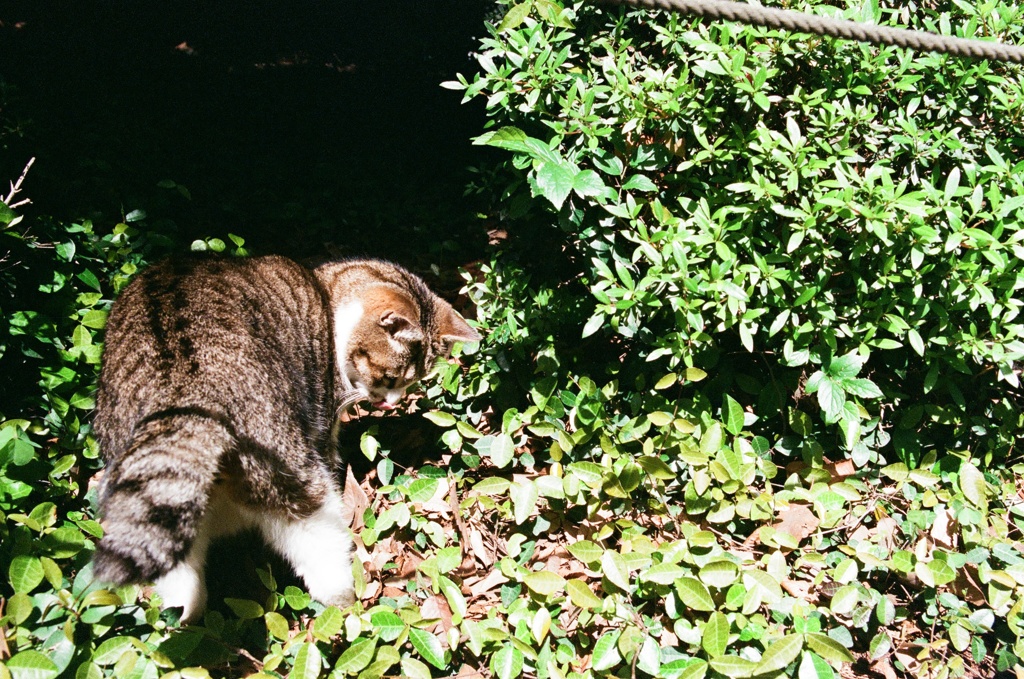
[390, 333]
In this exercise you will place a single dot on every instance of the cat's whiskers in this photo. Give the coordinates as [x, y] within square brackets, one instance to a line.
[348, 399]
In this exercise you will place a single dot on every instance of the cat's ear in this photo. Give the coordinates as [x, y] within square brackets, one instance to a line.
[398, 324]
[453, 327]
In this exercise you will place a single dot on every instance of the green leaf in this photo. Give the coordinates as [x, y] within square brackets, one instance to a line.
[507, 663]
[515, 16]
[357, 656]
[827, 647]
[656, 468]
[581, 595]
[649, 657]
[973, 485]
[277, 625]
[831, 398]
[606, 651]
[640, 183]
[694, 594]
[544, 583]
[244, 608]
[501, 451]
[524, 496]
[441, 419]
[32, 664]
[387, 625]
[666, 381]
[328, 623]
[779, 653]
[593, 325]
[663, 573]
[308, 662]
[555, 181]
[695, 374]
[732, 413]
[588, 183]
[111, 650]
[586, 551]
[715, 636]
[429, 647]
[613, 566]
[492, 485]
[413, 669]
[422, 490]
[25, 573]
[916, 343]
[863, 388]
[733, 666]
[814, 667]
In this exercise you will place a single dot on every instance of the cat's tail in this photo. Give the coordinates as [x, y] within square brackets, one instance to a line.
[153, 496]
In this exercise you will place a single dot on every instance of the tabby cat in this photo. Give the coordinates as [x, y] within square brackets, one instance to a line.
[222, 381]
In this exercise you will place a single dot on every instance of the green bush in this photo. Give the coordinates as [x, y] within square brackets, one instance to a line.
[831, 234]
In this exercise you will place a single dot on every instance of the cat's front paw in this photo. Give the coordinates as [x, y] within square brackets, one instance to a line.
[342, 600]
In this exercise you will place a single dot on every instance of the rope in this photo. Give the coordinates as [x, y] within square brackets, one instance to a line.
[836, 28]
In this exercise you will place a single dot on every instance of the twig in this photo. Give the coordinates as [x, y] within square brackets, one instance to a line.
[16, 187]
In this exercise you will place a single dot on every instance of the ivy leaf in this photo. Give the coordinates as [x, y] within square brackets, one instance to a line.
[732, 412]
[694, 594]
[779, 653]
[524, 496]
[244, 608]
[544, 583]
[501, 450]
[581, 595]
[715, 636]
[429, 647]
[613, 566]
[308, 662]
[827, 647]
[357, 656]
[507, 663]
[733, 666]
[973, 485]
[422, 490]
[814, 667]
[441, 419]
[606, 651]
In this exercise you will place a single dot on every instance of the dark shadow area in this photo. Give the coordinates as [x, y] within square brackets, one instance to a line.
[292, 124]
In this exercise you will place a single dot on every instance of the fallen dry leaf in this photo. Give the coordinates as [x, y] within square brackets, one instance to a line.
[798, 521]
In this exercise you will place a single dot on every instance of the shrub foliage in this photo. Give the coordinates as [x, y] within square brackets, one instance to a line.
[748, 404]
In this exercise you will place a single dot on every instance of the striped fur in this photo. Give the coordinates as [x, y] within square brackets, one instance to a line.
[221, 380]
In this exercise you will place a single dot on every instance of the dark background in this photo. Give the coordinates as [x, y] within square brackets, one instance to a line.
[308, 127]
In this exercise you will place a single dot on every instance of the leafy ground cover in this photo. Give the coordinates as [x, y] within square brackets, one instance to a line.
[748, 403]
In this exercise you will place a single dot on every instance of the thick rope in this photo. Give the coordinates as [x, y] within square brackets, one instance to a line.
[851, 30]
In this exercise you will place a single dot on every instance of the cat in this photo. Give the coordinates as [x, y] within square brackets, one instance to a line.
[219, 393]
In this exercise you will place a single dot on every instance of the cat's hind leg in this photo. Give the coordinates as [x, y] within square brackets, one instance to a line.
[184, 585]
[319, 548]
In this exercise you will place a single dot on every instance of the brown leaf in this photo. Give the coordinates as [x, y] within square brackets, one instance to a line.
[798, 521]
[355, 502]
[492, 580]
[841, 469]
[943, 529]
[476, 543]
